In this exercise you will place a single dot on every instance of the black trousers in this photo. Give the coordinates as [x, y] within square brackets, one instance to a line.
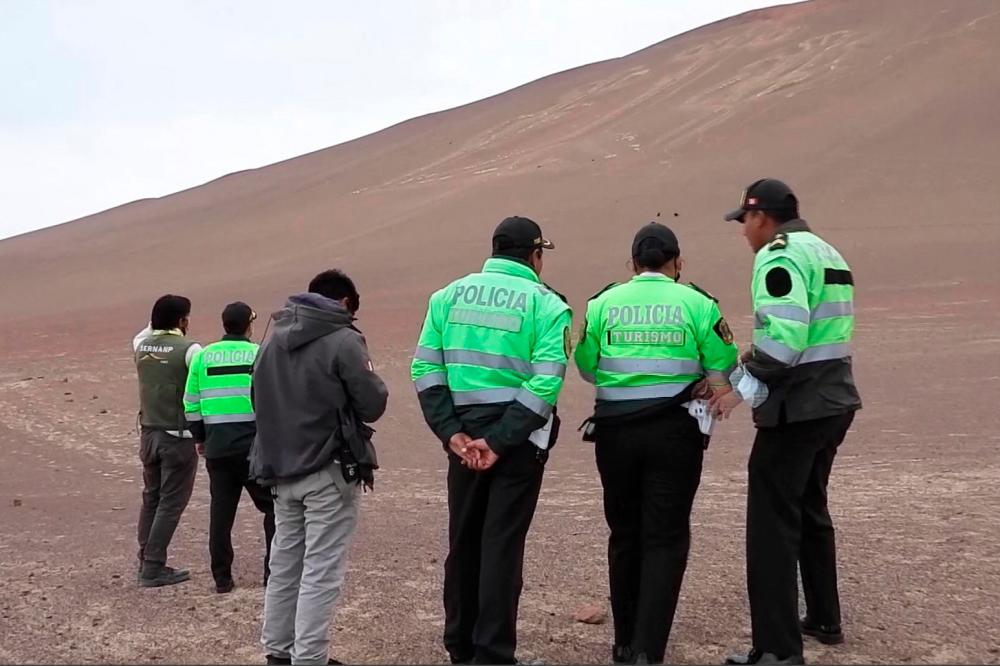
[169, 467]
[489, 516]
[787, 524]
[228, 477]
[650, 470]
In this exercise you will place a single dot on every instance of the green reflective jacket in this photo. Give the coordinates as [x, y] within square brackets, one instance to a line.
[803, 302]
[645, 342]
[498, 337]
[217, 396]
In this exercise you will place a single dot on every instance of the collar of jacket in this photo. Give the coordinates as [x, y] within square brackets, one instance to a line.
[651, 275]
[790, 227]
[172, 331]
[235, 338]
[510, 267]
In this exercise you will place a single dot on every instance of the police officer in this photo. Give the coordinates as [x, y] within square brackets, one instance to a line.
[217, 405]
[647, 344]
[488, 368]
[803, 300]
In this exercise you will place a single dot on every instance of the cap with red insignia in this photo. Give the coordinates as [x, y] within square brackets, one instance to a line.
[767, 194]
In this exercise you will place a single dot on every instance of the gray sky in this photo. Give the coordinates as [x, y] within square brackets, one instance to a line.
[107, 101]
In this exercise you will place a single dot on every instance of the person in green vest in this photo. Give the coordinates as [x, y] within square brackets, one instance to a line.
[650, 346]
[488, 369]
[803, 302]
[217, 405]
[162, 355]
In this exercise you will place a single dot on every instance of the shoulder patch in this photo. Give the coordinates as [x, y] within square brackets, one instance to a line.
[722, 329]
[702, 291]
[780, 242]
[778, 282]
[613, 284]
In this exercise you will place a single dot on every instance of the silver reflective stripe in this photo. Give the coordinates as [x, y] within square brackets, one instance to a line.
[825, 353]
[650, 366]
[550, 368]
[243, 391]
[500, 362]
[534, 403]
[777, 350]
[192, 398]
[827, 310]
[466, 357]
[229, 418]
[790, 312]
[484, 396]
[430, 355]
[193, 416]
[587, 377]
[639, 392]
[431, 380]
[720, 375]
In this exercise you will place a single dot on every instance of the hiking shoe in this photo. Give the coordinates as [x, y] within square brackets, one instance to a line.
[830, 634]
[225, 587]
[271, 659]
[755, 656]
[162, 576]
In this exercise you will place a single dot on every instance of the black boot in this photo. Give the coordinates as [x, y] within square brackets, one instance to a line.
[755, 656]
[281, 661]
[826, 634]
[622, 654]
[159, 575]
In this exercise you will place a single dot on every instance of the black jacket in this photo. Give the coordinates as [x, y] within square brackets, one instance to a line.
[314, 364]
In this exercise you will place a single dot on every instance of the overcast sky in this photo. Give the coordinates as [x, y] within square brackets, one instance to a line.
[107, 101]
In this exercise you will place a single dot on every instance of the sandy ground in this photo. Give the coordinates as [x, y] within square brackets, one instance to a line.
[913, 493]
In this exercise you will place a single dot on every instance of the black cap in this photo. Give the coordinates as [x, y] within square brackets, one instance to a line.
[656, 235]
[519, 232]
[237, 316]
[767, 194]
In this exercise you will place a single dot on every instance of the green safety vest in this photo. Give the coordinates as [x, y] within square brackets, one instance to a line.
[218, 383]
[651, 338]
[160, 363]
[803, 300]
[494, 337]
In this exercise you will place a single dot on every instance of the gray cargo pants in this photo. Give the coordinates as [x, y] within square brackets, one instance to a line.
[315, 518]
[169, 467]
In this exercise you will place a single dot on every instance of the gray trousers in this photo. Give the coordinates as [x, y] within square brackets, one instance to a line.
[315, 519]
[169, 467]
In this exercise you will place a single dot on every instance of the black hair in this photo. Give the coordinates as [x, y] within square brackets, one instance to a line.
[335, 284]
[502, 247]
[168, 311]
[237, 321]
[785, 215]
[236, 328]
[653, 255]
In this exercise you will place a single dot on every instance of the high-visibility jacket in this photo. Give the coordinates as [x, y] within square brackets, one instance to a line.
[646, 342]
[803, 301]
[496, 341]
[217, 396]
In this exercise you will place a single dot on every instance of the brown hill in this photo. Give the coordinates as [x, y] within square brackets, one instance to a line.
[882, 114]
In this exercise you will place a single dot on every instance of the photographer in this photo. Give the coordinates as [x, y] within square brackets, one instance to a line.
[311, 374]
